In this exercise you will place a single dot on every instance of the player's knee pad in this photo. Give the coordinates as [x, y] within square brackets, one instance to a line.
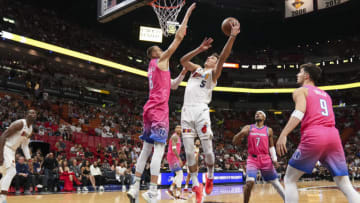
[144, 155]
[155, 164]
[179, 178]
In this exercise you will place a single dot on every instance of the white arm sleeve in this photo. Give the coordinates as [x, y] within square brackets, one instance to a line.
[273, 153]
[26, 150]
[176, 82]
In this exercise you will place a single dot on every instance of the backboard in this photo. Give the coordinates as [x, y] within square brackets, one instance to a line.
[110, 9]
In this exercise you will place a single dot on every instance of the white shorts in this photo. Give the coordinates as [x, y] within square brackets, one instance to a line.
[195, 121]
[9, 158]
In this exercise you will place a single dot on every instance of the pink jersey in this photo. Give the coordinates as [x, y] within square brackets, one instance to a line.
[258, 140]
[171, 157]
[159, 86]
[319, 111]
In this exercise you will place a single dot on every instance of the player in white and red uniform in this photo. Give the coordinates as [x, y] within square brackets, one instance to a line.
[18, 134]
[195, 114]
[197, 153]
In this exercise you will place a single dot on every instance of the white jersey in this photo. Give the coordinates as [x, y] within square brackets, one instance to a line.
[199, 87]
[20, 137]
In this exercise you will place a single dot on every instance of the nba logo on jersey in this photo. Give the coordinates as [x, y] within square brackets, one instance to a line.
[297, 154]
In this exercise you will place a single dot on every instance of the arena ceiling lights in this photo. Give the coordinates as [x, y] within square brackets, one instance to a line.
[86, 57]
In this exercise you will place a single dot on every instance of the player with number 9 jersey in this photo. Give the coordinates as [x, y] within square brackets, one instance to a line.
[320, 140]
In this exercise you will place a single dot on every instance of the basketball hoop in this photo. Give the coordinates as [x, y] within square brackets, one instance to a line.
[167, 12]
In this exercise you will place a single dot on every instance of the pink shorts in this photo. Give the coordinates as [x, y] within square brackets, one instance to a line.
[262, 163]
[320, 144]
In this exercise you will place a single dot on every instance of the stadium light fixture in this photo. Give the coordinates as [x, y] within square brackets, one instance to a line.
[92, 59]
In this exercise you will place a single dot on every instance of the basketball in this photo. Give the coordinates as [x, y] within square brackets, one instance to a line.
[226, 25]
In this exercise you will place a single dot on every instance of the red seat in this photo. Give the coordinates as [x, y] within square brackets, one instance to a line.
[97, 140]
[78, 137]
[52, 140]
[104, 141]
[84, 140]
[91, 142]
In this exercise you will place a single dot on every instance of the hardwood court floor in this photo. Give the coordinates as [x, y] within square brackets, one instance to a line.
[319, 191]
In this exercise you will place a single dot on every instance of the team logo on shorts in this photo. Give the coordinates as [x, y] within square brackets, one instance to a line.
[297, 154]
[204, 128]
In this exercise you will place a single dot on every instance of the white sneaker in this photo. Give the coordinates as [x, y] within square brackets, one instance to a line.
[78, 189]
[85, 189]
[150, 197]
[124, 188]
[101, 188]
[133, 194]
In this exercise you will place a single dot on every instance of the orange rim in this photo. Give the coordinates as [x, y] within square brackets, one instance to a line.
[165, 7]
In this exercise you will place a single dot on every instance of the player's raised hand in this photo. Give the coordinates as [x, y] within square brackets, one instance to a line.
[190, 9]
[235, 28]
[281, 145]
[206, 44]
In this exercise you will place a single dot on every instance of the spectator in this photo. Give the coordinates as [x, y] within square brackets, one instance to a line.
[22, 177]
[123, 175]
[50, 168]
[35, 169]
[68, 177]
[105, 167]
[74, 149]
[96, 173]
[86, 176]
[61, 146]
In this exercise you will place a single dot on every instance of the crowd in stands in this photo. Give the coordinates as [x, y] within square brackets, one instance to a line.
[46, 25]
[93, 146]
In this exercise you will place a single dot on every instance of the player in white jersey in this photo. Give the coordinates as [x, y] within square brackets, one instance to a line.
[18, 134]
[197, 152]
[195, 116]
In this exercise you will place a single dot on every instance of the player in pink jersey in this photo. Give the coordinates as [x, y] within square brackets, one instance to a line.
[156, 112]
[320, 140]
[175, 162]
[260, 137]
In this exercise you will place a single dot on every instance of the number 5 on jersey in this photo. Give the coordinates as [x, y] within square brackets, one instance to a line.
[203, 83]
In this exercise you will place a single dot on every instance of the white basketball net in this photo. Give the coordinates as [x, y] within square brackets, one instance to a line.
[167, 12]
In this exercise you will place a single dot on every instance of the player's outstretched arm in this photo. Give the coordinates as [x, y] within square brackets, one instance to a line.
[299, 97]
[185, 60]
[13, 128]
[240, 135]
[176, 82]
[180, 34]
[225, 53]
